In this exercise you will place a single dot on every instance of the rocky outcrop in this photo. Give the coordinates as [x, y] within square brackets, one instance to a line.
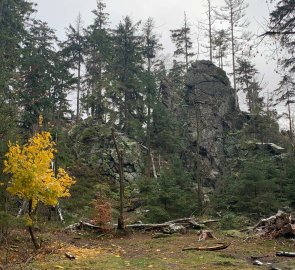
[209, 97]
[93, 146]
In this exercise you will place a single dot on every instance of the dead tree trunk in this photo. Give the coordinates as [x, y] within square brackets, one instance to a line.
[121, 225]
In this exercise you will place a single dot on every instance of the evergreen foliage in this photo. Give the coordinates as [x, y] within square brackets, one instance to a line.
[182, 40]
[98, 54]
[170, 196]
[282, 26]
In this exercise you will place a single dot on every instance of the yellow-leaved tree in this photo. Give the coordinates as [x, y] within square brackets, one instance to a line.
[32, 177]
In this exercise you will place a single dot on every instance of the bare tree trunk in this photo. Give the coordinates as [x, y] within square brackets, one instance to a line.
[186, 45]
[121, 225]
[198, 160]
[233, 56]
[78, 89]
[153, 165]
[149, 121]
[291, 135]
[210, 30]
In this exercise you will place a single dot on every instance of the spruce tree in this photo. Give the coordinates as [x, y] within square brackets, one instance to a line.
[246, 75]
[38, 88]
[127, 67]
[73, 49]
[285, 94]
[182, 40]
[220, 46]
[151, 46]
[282, 26]
[98, 53]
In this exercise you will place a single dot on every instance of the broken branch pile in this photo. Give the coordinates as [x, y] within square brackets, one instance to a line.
[275, 226]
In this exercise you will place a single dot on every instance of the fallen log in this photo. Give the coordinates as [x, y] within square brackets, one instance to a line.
[186, 222]
[82, 225]
[219, 246]
[147, 226]
[285, 254]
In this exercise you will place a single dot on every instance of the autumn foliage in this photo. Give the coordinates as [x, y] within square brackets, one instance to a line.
[32, 177]
[102, 213]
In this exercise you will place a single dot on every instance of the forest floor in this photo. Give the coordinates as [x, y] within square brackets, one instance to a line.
[141, 251]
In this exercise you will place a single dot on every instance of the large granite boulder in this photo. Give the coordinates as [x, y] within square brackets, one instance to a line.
[209, 97]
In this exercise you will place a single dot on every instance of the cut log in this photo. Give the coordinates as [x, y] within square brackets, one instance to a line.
[219, 246]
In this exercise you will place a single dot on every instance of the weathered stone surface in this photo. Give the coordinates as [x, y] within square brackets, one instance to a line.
[209, 96]
[93, 145]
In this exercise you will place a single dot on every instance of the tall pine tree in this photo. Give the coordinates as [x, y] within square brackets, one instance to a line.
[98, 53]
[127, 67]
[182, 40]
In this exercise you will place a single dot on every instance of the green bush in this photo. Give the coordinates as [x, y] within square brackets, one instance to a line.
[231, 221]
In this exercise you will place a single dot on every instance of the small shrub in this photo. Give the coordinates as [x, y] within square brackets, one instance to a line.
[102, 213]
[230, 221]
[157, 214]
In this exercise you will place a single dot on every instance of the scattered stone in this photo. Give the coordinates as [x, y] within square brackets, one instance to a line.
[70, 256]
[258, 263]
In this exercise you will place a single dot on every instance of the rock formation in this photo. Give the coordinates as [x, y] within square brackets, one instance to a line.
[93, 146]
[209, 97]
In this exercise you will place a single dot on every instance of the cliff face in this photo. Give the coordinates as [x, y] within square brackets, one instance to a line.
[208, 97]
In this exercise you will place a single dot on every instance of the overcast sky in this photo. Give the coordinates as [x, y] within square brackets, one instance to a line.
[168, 14]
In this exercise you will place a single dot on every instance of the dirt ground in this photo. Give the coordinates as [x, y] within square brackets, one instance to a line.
[141, 251]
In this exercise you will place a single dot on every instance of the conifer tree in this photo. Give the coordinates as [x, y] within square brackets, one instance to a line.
[98, 53]
[282, 26]
[73, 50]
[286, 94]
[247, 82]
[127, 67]
[182, 40]
[13, 16]
[151, 46]
[43, 77]
[220, 45]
